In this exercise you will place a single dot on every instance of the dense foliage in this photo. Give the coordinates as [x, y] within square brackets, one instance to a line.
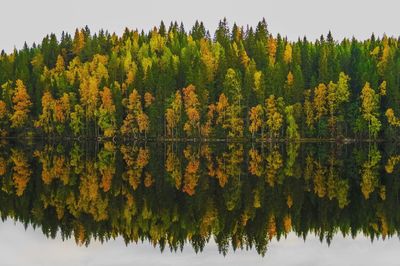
[169, 83]
[171, 194]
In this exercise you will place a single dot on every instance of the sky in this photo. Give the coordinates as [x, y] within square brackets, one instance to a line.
[20, 248]
[26, 20]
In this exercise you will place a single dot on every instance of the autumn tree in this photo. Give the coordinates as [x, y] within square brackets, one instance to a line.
[309, 110]
[192, 105]
[45, 121]
[78, 42]
[3, 119]
[337, 95]
[233, 90]
[173, 115]
[21, 106]
[136, 121]
[256, 120]
[370, 108]
[106, 113]
[273, 110]
[292, 132]
[77, 120]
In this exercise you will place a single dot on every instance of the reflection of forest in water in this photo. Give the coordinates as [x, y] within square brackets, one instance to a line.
[241, 195]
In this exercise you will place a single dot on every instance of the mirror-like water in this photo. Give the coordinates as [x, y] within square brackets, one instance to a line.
[238, 196]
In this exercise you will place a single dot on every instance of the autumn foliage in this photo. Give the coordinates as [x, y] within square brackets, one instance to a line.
[173, 84]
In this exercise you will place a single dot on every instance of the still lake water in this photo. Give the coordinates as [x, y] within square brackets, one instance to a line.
[293, 204]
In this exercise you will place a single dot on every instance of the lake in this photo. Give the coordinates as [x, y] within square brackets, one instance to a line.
[215, 204]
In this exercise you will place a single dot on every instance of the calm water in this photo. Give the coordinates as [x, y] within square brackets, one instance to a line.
[260, 200]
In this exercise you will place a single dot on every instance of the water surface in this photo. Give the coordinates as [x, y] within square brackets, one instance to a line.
[254, 202]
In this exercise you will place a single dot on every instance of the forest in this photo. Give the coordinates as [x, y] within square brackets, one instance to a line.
[242, 83]
[170, 194]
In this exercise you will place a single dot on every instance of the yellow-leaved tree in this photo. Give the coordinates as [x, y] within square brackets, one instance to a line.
[369, 109]
[192, 104]
[106, 113]
[274, 115]
[256, 120]
[173, 115]
[21, 106]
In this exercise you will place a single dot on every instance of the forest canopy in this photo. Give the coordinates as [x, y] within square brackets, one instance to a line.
[170, 83]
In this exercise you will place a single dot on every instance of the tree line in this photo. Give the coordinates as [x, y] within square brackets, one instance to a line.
[171, 83]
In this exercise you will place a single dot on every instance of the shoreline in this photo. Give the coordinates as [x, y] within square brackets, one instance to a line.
[202, 140]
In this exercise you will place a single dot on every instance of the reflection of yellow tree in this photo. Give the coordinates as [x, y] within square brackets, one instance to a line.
[287, 223]
[274, 163]
[220, 172]
[21, 171]
[76, 159]
[3, 166]
[271, 227]
[191, 175]
[148, 179]
[292, 152]
[206, 153]
[255, 163]
[173, 167]
[257, 199]
[384, 230]
[90, 199]
[106, 165]
[342, 192]
[391, 163]
[308, 171]
[369, 179]
[289, 201]
[319, 180]
[229, 164]
[80, 234]
[136, 160]
[53, 165]
[209, 218]
[336, 187]
[326, 180]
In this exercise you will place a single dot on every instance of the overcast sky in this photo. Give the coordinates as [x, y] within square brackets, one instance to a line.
[26, 20]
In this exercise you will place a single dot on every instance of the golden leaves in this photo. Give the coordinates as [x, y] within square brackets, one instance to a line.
[256, 119]
[192, 104]
[287, 55]
[320, 99]
[271, 47]
[173, 114]
[78, 42]
[148, 99]
[274, 117]
[21, 104]
[3, 110]
[136, 120]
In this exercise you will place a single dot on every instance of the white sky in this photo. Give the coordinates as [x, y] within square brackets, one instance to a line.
[26, 20]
